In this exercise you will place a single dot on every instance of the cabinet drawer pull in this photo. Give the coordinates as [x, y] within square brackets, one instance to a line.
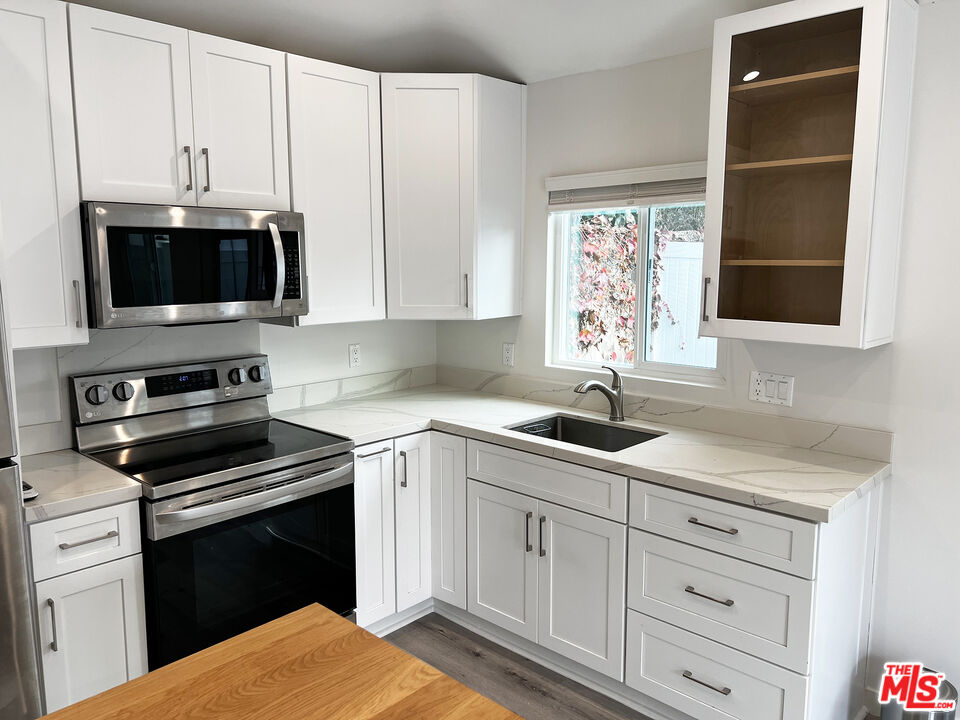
[543, 519]
[526, 531]
[694, 521]
[706, 283]
[693, 591]
[186, 149]
[722, 690]
[76, 294]
[54, 645]
[70, 546]
[403, 456]
[206, 156]
[371, 454]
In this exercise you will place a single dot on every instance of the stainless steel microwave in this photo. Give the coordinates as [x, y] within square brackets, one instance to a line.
[168, 265]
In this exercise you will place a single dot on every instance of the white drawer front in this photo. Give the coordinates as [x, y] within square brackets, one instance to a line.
[593, 491]
[765, 538]
[750, 608]
[78, 541]
[666, 663]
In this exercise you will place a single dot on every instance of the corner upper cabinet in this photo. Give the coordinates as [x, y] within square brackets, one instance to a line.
[174, 117]
[336, 183]
[40, 250]
[453, 166]
[809, 120]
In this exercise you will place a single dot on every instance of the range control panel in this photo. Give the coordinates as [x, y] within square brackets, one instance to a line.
[127, 393]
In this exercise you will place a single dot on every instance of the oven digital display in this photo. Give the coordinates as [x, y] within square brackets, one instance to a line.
[175, 383]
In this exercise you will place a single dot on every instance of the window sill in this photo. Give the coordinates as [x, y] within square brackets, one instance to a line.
[715, 379]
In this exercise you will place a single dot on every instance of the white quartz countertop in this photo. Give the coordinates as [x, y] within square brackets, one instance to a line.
[808, 484]
[70, 483]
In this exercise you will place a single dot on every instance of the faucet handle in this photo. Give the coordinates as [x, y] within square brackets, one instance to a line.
[617, 380]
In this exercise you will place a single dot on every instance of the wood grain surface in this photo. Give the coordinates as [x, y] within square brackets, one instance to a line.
[310, 664]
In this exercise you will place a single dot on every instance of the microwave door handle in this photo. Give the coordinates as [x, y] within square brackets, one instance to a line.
[281, 264]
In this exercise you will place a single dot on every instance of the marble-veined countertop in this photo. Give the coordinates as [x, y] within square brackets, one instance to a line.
[803, 483]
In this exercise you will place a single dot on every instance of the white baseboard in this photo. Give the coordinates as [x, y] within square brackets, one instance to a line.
[862, 715]
[398, 620]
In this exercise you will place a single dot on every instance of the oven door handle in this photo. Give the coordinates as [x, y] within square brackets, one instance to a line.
[281, 264]
[258, 500]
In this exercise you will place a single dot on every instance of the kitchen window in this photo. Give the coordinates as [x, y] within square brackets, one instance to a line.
[627, 279]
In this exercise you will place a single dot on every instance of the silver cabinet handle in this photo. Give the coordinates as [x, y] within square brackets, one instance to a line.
[186, 149]
[694, 521]
[69, 546]
[722, 690]
[543, 519]
[371, 454]
[693, 591]
[76, 294]
[706, 283]
[281, 264]
[526, 531]
[403, 456]
[54, 645]
[206, 156]
[466, 290]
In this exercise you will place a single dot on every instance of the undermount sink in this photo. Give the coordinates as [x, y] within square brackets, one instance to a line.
[587, 433]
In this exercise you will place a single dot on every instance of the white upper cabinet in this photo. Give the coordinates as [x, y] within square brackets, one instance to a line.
[809, 117]
[169, 116]
[240, 124]
[134, 117]
[453, 164]
[40, 247]
[336, 184]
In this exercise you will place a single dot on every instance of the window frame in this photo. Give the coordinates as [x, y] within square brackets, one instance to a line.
[558, 249]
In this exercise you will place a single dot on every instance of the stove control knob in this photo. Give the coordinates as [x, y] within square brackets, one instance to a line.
[123, 391]
[237, 376]
[258, 373]
[97, 395]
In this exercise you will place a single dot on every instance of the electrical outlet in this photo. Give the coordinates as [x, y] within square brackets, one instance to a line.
[354, 354]
[508, 350]
[771, 388]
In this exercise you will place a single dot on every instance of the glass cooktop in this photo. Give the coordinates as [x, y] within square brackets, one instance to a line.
[162, 462]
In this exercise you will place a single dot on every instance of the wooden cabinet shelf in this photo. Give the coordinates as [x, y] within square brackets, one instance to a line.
[782, 263]
[804, 164]
[810, 84]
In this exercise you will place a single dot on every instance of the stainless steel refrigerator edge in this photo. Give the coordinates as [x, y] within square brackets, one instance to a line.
[19, 664]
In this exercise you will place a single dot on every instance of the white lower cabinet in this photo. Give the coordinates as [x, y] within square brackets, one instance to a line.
[412, 488]
[93, 635]
[375, 532]
[448, 518]
[552, 575]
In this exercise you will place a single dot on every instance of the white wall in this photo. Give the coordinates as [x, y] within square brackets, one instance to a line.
[657, 113]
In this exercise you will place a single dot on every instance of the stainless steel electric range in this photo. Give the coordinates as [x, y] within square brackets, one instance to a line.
[245, 518]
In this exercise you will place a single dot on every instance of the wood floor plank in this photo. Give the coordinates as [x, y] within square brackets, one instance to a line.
[520, 685]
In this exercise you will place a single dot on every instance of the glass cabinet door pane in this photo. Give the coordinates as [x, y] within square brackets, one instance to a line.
[790, 126]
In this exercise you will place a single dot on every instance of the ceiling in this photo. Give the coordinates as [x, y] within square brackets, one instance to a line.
[522, 40]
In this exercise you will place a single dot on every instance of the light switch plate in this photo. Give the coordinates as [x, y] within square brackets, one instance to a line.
[771, 388]
[508, 351]
[354, 354]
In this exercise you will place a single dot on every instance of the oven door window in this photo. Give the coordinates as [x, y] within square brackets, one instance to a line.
[152, 267]
[210, 584]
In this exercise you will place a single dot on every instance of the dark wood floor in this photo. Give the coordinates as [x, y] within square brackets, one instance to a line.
[518, 684]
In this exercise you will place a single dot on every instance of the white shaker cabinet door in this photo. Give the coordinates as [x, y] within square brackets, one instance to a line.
[92, 630]
[502, 558]
[42, 261]
[336, 183]
[131, 81]
[412, 492]
[582, 576]
[375, 533]
[240, 124]
[448, 517]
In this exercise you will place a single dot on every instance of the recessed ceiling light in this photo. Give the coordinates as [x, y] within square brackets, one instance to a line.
[751, 75]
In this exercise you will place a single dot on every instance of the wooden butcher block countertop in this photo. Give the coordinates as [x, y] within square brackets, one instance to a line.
[311, 664]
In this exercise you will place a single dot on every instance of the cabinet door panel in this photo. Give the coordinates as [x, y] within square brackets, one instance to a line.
[240, 117]
[134, 114]
[99, 639]
[582, 576]
[39, 196]
[428, 151]
[337, 185]
[448, 487]
[412, 488]
[501, 558]
[374, 499]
